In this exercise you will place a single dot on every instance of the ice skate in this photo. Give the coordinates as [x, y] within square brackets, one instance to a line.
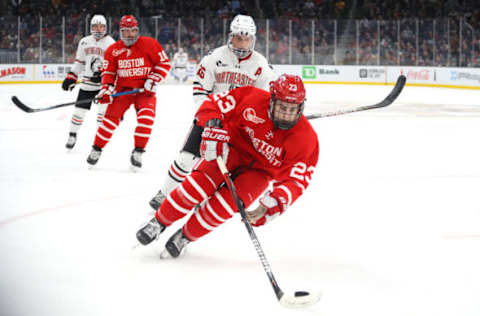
[92, 159]
[136, 159]
[150, 231]
[157, 200]
[72, 139]
[175, 246]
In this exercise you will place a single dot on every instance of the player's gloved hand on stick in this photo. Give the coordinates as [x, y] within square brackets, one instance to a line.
[105, 94]
[69, 82]
[271, 206]
[150, 86]
[214, 141]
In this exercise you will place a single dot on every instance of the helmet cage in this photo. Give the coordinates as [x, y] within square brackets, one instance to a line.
[128, 22]
[281, 118]
[98, 19]
[287, 101]
[241, 52]
[245, 26]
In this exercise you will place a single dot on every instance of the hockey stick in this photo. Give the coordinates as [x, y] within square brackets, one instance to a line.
[387, 101]
[22, 106]
[300, 298]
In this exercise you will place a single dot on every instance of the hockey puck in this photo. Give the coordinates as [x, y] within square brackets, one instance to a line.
[301, 293]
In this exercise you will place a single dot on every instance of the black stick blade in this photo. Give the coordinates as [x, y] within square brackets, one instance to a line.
[396, 90]
[21, 106]
[392, 96]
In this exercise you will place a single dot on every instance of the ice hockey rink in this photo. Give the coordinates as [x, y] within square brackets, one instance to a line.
[390, 224]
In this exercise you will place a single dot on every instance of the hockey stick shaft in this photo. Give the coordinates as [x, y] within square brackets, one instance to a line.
[397, 89]
[251, 232]
[22, 106]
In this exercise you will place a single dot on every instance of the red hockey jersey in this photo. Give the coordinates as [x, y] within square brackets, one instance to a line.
[130, 66]
[289, 156]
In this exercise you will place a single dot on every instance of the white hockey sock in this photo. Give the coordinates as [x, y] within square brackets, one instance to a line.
[179, 169]
[77, 119]
[101, 112]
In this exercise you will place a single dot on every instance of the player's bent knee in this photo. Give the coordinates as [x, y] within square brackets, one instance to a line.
[186, 160]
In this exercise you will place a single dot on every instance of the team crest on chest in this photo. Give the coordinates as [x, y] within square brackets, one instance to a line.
[118, 52]
[249, 114]
[221, 64]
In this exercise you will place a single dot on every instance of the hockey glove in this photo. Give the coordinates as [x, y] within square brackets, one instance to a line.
[214, 141]
[271, 206]
[69, 82]
[150, 86]
[105, 94]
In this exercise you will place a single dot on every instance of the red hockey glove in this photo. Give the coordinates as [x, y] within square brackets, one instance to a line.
[105, 94]
[214, 141]
[150, 86]
[69, 82]
[271, 206]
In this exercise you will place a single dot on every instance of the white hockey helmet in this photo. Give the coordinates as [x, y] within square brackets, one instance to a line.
[242, 25]
[98, 19]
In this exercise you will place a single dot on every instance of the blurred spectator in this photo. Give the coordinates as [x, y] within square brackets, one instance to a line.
[432, 25]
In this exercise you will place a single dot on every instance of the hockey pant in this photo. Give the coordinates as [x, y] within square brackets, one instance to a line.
[204, 184]
[145, 108]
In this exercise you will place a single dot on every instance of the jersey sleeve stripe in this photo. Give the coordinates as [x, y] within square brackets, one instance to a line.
[287, 191]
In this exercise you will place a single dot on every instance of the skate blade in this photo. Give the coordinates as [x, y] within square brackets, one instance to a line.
[134, 169]
[165, 254]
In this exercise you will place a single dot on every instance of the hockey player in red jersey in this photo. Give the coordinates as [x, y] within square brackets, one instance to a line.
[233, 65]
[132, 62]
[264, 138]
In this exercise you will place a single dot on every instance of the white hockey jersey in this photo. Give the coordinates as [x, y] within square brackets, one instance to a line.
[221, 71]
[89, 59]
[180, 60]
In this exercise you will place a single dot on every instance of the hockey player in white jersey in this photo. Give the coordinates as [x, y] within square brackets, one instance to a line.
[88, 62]
[234, 65]
[179, 65]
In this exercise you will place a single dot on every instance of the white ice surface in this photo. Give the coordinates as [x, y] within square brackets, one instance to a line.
[390, 224]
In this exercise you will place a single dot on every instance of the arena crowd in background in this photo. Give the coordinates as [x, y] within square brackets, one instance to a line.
[386, 15]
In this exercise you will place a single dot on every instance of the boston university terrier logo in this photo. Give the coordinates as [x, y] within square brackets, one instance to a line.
[249, 114]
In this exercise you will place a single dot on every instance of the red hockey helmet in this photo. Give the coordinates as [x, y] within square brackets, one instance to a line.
[128, 21]
[287, 101]
[128, 30]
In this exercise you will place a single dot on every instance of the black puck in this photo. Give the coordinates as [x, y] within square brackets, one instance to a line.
[301, 293]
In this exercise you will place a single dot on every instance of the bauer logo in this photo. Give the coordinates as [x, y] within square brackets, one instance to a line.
[309, 72]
